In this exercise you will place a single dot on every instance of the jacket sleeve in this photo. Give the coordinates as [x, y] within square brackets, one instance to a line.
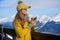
[18, 29]
[32, 26]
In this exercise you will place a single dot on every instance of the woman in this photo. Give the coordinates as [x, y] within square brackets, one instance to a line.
[21, 22]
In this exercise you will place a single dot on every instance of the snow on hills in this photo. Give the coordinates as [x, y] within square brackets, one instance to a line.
[44, 18]
[7, 19]
[57, 18]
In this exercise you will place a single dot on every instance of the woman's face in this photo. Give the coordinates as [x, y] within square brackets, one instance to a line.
[22, 13]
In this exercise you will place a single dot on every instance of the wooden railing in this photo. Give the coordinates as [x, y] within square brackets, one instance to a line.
[42, 36]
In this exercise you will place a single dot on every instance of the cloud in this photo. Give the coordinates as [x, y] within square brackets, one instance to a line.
[8, 3]
[34, 3]
[42, 3]
[3, 19]
[57, 18]
[7, 19]
[42, 18]
[46, 18]
[7, 7]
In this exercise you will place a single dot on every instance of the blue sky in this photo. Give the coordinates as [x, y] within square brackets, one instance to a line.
[39, 7]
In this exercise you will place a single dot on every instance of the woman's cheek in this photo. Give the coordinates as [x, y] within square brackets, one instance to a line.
[24, 11]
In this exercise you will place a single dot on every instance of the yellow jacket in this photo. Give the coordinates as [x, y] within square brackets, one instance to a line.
[22, 34]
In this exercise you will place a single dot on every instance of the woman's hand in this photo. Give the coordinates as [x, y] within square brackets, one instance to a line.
[33, 20]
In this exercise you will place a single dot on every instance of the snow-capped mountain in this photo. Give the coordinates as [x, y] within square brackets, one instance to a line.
[8, 25]
[51, 26]
[41, 21]
[57, 18]
[7, 19]
[44, 18]
[44, 23]
[7, 22]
